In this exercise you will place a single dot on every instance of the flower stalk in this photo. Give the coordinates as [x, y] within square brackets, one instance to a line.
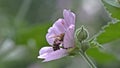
[87, 59]
[81, 36]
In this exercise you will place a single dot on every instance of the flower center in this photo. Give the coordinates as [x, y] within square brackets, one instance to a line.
[58, 41]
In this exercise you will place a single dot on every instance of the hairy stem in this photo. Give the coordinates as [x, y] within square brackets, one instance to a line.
[87, 59]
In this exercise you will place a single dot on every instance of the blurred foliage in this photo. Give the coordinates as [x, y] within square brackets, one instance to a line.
[37, 10]
[10, 7]
[36, 32]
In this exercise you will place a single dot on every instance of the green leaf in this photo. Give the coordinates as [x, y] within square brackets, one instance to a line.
[110, 33]
[113, 7]
[100, 57]
[115, 3]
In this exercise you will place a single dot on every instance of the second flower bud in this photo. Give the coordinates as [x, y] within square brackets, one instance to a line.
[81, 34]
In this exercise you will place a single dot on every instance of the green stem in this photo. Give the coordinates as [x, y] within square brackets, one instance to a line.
[87, 59]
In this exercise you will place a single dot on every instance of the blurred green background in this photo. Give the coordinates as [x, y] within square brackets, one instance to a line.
[24, 24]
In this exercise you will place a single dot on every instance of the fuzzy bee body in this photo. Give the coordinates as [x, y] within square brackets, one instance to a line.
[58, 41]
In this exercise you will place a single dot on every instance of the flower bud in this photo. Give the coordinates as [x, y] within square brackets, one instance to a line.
[85, 46]
[81, 34]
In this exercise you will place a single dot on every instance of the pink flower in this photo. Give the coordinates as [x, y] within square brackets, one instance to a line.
[60, 36]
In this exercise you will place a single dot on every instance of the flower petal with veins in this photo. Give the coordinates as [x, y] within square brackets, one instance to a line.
[57, 29]
[69, 37]
[48, 54]
[69, 17]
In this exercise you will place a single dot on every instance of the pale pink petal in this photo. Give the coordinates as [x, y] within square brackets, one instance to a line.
[45, 51]
[48, 54]
[69, 17]
[56, 55]
[50, 36]
[54, 30]
[57, 29]
[59, 26]
[69, 37]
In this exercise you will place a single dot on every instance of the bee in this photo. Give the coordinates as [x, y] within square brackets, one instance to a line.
[58, 41]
